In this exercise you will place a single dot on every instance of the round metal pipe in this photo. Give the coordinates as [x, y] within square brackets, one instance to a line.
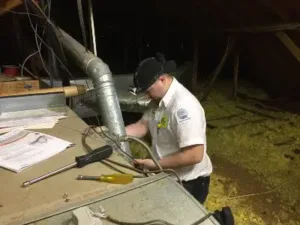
[99, 72]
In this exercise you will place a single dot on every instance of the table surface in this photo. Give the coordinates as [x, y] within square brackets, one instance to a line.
[20, 205]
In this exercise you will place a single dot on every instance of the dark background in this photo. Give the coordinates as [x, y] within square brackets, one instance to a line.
[129, 31]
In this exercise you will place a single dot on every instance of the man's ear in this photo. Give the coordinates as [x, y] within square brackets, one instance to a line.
[162, 78]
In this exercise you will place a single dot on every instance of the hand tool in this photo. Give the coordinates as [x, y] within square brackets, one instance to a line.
[111, 178]
[80, 161]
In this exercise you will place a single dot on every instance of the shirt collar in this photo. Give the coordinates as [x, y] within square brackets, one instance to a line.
[170, 93]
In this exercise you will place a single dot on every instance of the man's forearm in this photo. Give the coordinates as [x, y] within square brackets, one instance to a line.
[181, 159]
[136, 129]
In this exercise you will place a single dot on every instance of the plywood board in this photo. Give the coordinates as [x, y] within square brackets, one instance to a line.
[13, 87]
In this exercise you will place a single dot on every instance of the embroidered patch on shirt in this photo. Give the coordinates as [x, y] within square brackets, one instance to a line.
[163, 122]
[182, 115]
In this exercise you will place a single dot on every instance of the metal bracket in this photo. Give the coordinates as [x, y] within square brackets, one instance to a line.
[28, 102]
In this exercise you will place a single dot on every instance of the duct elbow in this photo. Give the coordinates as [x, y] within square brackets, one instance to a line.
[96, 68]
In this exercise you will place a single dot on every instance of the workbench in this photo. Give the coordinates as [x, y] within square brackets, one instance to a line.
[20, 205]
[51, 201]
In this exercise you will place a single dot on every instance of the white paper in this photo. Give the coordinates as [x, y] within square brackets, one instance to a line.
[30, 119]
[20, 149]
[32, 113]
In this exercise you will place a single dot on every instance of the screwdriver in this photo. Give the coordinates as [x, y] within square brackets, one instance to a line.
[80, 161]
[111, 178]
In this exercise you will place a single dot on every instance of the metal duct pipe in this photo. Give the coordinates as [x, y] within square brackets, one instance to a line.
[99, 72]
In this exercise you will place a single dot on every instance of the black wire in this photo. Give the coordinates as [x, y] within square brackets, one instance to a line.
[202, 219]
[87, 147]
[114, 141]
[151, 222]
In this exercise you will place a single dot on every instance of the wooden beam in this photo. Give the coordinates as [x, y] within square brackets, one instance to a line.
[289, 43]
[281, 35]
[236, 65]
[8, 5]
[230, 45]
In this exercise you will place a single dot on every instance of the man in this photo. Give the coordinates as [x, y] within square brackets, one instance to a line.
[177, 126]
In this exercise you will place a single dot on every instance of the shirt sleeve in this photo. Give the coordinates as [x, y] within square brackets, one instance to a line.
[147, 115]
[189, 124]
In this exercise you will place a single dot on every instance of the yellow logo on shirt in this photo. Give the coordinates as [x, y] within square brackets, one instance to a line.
[163, 122]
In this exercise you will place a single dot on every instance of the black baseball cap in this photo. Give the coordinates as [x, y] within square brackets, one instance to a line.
[149, 70]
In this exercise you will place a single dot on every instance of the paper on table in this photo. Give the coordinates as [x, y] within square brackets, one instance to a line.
[20, 149]
[33, 113]
[47, 125]
[30, 119]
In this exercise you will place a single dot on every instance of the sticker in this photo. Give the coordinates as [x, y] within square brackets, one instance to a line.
[163, 122]
[182, 115]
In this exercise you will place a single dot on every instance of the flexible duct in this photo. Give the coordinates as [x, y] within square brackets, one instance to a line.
[99, 72]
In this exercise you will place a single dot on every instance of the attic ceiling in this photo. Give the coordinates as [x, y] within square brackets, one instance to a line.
[276, 55]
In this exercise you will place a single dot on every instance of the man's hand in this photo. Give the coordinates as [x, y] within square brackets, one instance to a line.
[188, 156]
[147, 164]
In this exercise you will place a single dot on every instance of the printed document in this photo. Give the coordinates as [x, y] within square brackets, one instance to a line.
[20, 148]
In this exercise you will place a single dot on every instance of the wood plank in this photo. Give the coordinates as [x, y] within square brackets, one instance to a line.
[14, 87]
[236, 65]
[289, 43]
[8, 5]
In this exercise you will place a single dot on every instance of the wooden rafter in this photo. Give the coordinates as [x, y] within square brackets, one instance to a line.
[7, 5]
[281, 35]
[289, 43]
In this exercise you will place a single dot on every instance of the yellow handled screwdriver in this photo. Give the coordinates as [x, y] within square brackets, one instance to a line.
[115, 178]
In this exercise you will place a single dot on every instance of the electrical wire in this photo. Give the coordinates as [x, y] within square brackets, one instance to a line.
[147, 148]
[36, 38]
[201, 220]
[102, 215]
[107, 161]
[24, 68]
[44, 16]
[24, 62]
[106, 135]
[45, 44]
[59, 60]
[89, 149]
[150, 222]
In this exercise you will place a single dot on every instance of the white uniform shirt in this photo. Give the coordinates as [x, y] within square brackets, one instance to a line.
[178, 122]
